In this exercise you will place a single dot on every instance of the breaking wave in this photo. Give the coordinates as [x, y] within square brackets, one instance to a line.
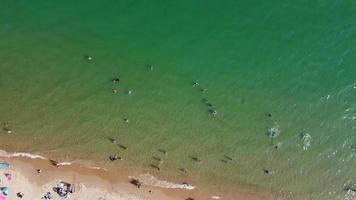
[6, 154]
[21, 154]
[148, 179]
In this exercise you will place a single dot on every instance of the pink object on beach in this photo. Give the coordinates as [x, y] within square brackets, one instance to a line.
[2, 197]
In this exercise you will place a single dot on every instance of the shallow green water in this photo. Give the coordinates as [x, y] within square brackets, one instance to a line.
[294, 60]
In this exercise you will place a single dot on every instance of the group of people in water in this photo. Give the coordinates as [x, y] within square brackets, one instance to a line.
[210, 106]
[6, 128]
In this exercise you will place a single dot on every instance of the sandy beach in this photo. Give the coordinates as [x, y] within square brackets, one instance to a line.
[95, 184]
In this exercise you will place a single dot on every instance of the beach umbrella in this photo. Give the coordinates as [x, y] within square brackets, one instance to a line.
[2, 197]
[5, 190]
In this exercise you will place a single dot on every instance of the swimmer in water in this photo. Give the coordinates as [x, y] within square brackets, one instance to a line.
[214, 112]
[115, 157]
[163, 151]
[88, 57]
[266, 171]
[195, 159]
[115, 80]
[228, 157]
[7, 128]
[156, 167]
[183, 170]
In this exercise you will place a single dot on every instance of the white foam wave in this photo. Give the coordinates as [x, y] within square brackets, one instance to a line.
[20, 154]
[148, 179]
[274, 131]
[64, 163]
[98, 168]
[6, 154]
[306, 139]
[215, 197]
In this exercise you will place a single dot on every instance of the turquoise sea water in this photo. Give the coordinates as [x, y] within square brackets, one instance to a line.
[295, 60]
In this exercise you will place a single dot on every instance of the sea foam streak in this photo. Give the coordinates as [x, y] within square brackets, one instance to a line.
[35, 156]
[152, 181]
[21, 154]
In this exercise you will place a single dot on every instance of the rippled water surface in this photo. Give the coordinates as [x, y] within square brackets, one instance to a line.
[280, 76]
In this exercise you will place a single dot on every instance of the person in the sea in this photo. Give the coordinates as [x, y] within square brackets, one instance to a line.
[267, 171]
[183, 170]
[269, 114]
[156, 167]
[163, 151]
[88, 57]
[115, 80]
[115, 157]
[6, 127]
[195, 159]
[228, 157]
[214, 112]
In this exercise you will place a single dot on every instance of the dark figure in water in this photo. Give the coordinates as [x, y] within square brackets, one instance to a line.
[112, 140]
[163, 151]
[122, 146]
[214, 112]
[269, 114]
[209, 104]
[195, 83]
[115, 157]
[276, 146]
[115, 80]
[88, 57]
[266, 171]
[195, 159]
[158, 159]
[223, 161]
[203, 89]
[182, 170]
[227, 157]
[349, 188]
[7, 128]
[156, 167]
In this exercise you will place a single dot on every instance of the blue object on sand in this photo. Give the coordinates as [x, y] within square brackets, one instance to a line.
[5, 190]
[4, 166]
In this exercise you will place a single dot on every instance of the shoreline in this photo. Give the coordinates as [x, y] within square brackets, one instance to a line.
[106, 183]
